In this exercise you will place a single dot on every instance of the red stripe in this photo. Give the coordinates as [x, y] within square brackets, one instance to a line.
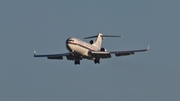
[81, 46]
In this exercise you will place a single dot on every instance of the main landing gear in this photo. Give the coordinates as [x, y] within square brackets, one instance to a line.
[97, 61]
[77, 62]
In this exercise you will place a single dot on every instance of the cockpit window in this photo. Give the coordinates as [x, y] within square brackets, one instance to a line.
[71, 40]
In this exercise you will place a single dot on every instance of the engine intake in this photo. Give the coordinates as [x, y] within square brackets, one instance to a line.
[103, 49]
[91, 42]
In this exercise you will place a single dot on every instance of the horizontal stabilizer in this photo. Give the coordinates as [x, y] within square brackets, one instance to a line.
[102, 36]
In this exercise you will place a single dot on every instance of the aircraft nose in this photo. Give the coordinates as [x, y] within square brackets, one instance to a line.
[69, 42]
[68, 46]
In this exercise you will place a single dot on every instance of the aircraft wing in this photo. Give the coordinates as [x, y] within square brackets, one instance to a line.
[107, 54]
[130, 52]
[54, 56]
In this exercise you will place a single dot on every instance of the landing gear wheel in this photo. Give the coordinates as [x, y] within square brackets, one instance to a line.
[77, 62]
[97, 61]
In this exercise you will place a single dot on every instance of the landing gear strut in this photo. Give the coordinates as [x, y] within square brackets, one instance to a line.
[77, 62]
[97, 61]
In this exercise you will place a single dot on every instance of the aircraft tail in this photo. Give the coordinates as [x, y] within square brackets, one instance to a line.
[99, 39]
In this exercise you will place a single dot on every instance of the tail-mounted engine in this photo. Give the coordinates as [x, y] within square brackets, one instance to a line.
[103, 49]
[91, 42]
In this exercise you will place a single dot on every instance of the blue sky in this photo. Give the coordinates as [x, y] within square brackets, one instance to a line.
[44, 25]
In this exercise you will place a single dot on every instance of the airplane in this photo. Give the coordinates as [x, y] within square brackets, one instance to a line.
[79, 50]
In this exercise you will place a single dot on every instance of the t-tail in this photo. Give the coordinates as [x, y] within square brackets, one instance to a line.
[99, 39]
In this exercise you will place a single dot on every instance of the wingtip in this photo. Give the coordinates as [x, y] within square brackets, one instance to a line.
[34, 53]
[148, 47]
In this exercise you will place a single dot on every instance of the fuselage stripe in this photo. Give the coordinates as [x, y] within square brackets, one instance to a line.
[82, 46]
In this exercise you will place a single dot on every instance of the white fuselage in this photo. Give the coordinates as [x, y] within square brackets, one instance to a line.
[80, 47]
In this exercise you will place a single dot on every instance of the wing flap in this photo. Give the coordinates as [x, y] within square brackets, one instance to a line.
[101, 54]
[53, 56]
[124, 54]
[56, 57]
[130, 52]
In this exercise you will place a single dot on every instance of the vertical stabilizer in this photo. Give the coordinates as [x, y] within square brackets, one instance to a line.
[98, 41]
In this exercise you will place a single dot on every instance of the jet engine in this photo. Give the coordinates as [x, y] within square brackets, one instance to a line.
[91, 42]
[103, 49]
